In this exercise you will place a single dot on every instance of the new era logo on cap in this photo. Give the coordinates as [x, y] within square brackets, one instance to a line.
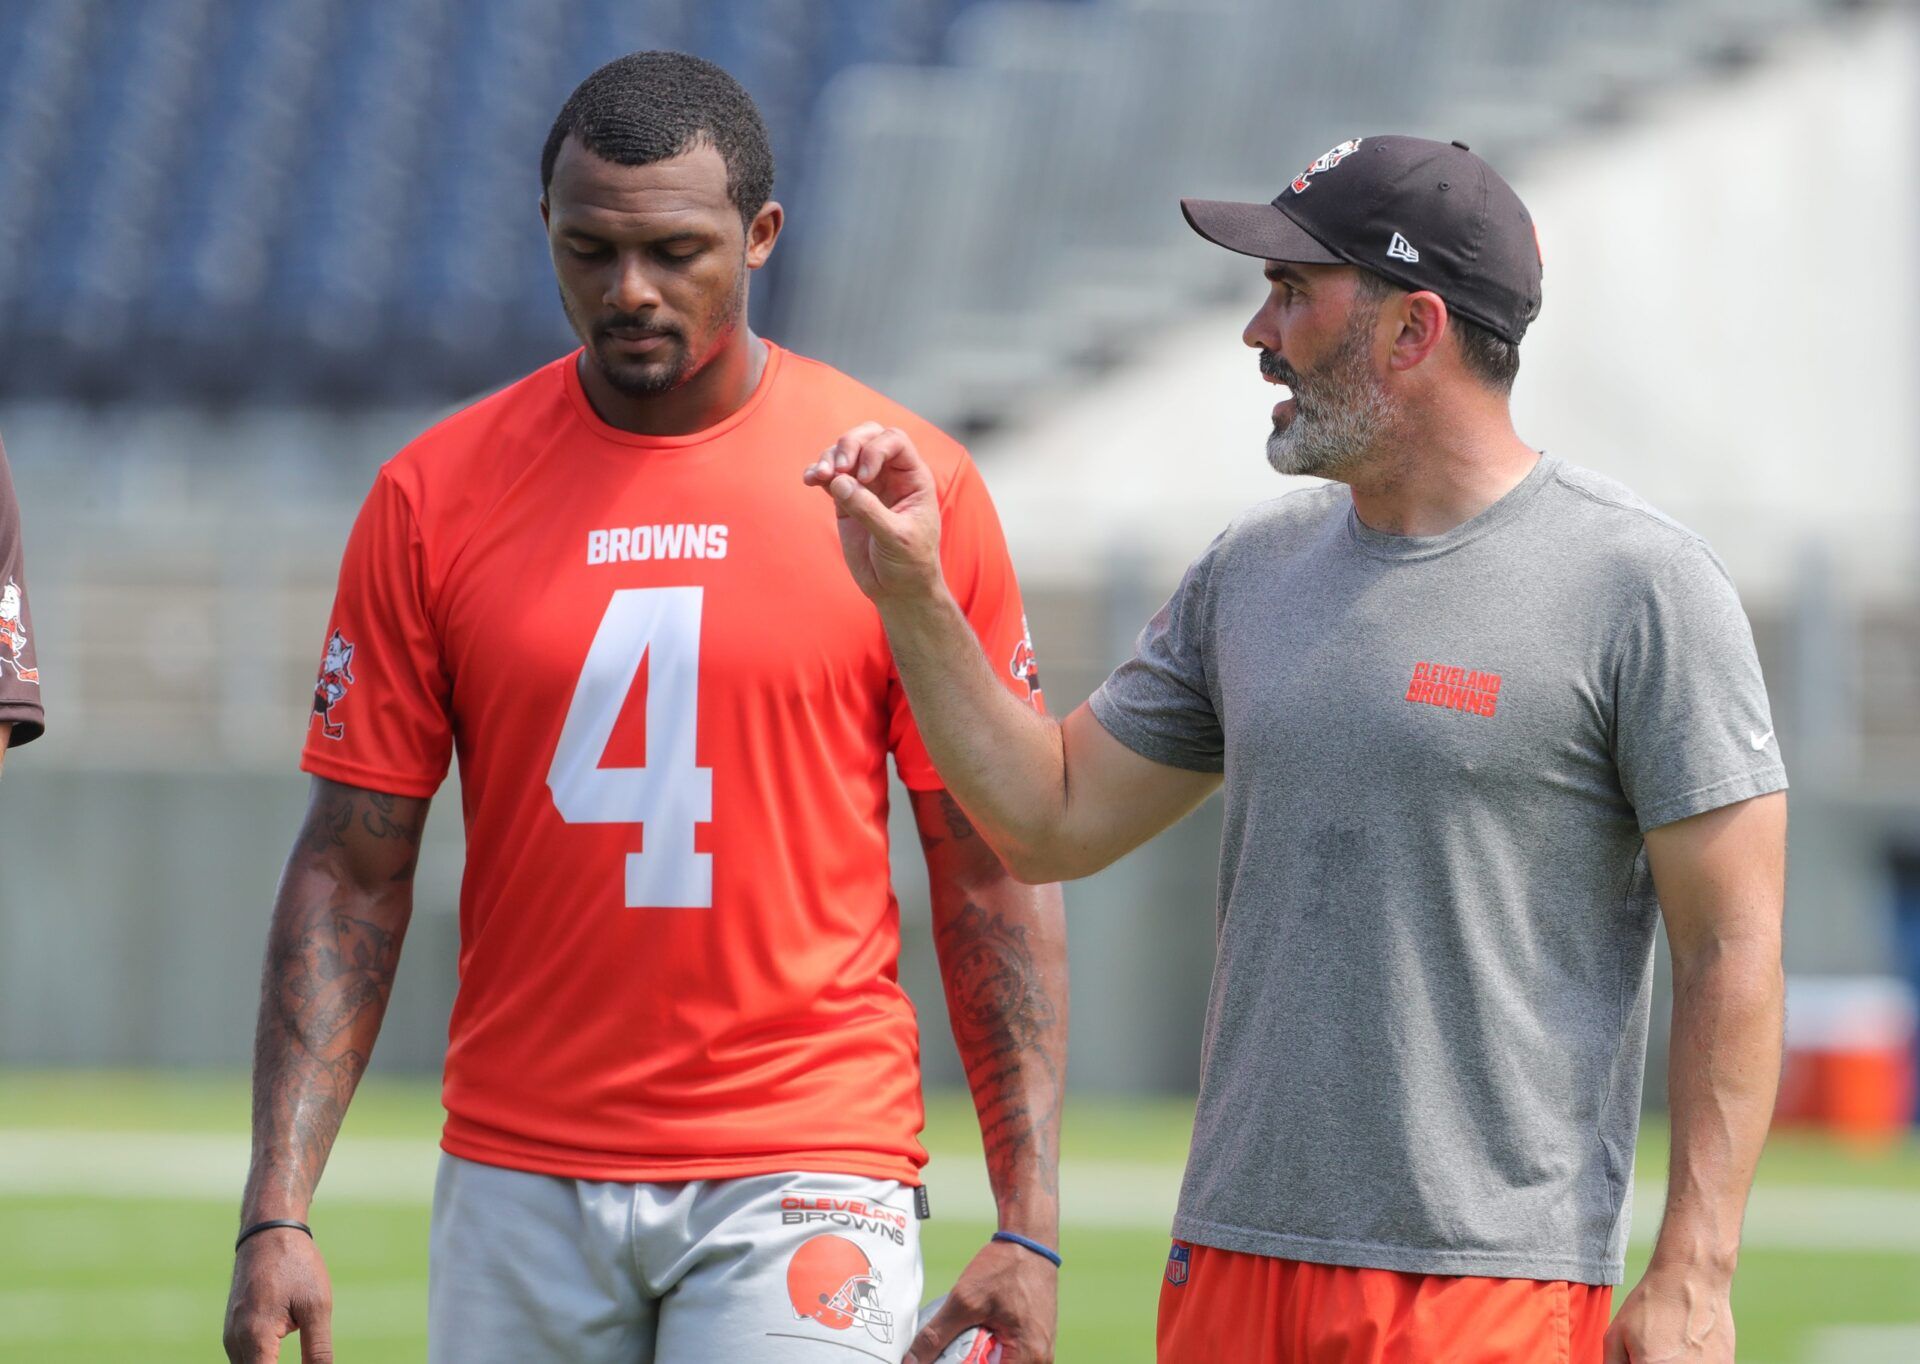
[1365, 201]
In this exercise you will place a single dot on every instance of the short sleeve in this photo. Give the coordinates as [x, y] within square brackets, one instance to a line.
[382, 716]
[20, 703]
[1158, 703]
[1692, 728]
[979, 573]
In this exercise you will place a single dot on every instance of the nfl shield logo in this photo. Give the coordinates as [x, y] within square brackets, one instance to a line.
[1177, 1261]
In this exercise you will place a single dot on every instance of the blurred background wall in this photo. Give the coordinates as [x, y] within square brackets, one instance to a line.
[247, 250]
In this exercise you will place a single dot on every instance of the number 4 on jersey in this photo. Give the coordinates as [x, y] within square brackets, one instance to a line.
[667, 797]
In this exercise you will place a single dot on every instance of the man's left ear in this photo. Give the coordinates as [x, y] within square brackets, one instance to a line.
[1423, 321]
[762, 232]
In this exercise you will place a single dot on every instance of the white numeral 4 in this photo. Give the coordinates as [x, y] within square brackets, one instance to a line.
[668, 796]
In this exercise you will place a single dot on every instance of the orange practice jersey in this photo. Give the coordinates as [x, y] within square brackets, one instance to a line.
[673, 709]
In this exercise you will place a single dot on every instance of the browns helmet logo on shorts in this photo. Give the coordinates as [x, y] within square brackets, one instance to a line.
[1326, 161]
[831, 1280]
[336, 675]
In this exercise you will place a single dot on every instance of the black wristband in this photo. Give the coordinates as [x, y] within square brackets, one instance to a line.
[269, 1225]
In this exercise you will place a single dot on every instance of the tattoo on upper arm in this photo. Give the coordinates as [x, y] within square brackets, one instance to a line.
[959, 828]
[377, 819]
[1008, 1030]
[328, 820]
[351, 820]
[958, 825]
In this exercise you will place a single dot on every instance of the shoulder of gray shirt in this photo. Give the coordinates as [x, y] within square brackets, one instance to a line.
[1629, 541]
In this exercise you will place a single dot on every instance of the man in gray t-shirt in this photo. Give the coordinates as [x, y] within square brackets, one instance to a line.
[1481, 716]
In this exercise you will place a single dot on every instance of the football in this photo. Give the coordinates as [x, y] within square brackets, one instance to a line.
[975, 1345]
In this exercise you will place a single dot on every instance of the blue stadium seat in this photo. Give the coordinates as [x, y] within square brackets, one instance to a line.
[335, 199]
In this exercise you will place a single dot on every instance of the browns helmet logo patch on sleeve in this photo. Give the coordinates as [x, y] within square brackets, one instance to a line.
[336, 675]
[13, 636]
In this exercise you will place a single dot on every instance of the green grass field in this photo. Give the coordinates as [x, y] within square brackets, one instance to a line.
[117, 1210]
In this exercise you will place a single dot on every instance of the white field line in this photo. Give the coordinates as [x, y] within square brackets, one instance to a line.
[66, 1317]
[1094, 1193]
[1865, 1345]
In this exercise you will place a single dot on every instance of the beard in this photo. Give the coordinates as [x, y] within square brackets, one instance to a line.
[648, 377]
[1341, 410]
[644, 378]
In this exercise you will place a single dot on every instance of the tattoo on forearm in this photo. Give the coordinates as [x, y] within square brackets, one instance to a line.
[331, 958]
[1009, 1033]
[328, 977]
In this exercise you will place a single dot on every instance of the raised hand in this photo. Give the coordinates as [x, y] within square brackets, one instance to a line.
[889, 511]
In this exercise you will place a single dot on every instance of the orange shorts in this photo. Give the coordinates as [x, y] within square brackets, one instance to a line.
[1223, 1307]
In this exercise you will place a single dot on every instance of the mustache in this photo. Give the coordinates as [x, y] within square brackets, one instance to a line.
[635, 321]
[1279, 371]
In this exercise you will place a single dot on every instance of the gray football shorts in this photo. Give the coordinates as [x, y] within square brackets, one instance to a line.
[802, 1267]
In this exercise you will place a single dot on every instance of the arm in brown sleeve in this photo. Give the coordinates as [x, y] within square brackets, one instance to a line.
[22, 717]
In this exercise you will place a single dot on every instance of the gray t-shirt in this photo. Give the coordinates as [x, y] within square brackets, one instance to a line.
[1428, 1022]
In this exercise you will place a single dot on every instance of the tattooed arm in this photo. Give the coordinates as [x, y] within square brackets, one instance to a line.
[1003, 956]
[338, 920]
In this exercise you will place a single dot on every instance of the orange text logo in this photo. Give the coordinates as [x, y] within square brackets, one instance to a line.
[1467, 689]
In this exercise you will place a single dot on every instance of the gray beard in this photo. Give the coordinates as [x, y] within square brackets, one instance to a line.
[1342, 413]
[1332, 437]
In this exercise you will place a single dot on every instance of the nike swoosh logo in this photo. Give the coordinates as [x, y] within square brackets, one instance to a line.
[1759, 741]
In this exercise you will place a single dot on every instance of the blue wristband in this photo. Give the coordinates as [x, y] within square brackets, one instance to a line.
[1015, 1238]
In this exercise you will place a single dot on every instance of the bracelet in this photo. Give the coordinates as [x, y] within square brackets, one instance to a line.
[269, 1225]
[1016, 1239]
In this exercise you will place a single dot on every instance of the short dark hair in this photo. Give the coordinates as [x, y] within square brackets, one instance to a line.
[653, 106]
[1493, 360]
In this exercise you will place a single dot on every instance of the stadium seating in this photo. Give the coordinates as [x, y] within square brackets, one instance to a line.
[333, 200]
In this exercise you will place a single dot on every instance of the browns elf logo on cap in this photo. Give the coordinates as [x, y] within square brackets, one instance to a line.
[1326, 161]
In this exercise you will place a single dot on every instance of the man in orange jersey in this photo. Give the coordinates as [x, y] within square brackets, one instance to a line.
[682, 1085]
[1471, 707]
